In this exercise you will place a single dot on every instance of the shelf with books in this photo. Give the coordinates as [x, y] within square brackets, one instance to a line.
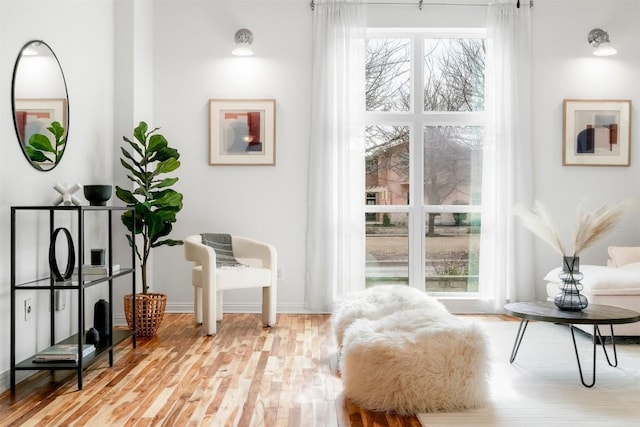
[50, 285]
[30, 363]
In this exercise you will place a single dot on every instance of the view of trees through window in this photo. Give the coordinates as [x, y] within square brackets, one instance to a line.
[424, 141]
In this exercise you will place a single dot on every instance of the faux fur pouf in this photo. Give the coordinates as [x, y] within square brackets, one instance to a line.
[379, 301]
[416, 359]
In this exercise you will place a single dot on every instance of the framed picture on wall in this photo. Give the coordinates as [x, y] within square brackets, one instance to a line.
[242, 132]
[596, 132]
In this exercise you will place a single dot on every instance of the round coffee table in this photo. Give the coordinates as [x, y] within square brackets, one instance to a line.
[594, 314]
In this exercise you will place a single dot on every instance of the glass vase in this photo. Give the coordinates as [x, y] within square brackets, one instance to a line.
[569, 298]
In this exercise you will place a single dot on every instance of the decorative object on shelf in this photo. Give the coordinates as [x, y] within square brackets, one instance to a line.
[92, 336]
[63, 353]
[97, 195]
[97, 256]
[569, 298]
[71, 256]
[589, 228]
[66, 197]
[155, 205]
[102, 318]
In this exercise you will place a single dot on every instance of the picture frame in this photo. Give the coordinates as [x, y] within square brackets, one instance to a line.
[596, 132]
[242, 132]
[34, 115]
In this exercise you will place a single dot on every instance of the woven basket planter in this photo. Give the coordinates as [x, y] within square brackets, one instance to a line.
[149, 312]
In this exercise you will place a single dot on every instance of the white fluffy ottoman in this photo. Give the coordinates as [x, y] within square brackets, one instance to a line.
[416, 359]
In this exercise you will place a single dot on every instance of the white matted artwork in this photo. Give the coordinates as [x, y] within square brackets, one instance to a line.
[35, 115]
[596, 132]
[242, 132]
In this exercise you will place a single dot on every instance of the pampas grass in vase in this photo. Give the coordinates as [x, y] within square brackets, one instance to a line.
[590, 227]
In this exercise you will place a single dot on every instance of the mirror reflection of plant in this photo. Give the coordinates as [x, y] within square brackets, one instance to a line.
[40, 148]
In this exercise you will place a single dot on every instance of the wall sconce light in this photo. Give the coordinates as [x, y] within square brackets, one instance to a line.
[600, 40]
[243, 39]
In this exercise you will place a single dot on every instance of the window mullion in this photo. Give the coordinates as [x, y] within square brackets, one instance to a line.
[416, 224]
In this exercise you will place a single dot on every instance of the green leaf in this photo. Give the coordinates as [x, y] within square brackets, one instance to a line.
[126, 196]
[141, 176]
[41, 142]
[140, 133]
[56, 129]
[169, 242]
[156, 143]
[167, 182]
[129, 156]
[168, 199]
[164, 154]
[167, 166]
[134, 146]
[35, 155]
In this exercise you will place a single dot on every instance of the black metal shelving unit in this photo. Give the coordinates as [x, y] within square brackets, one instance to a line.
[78, 284]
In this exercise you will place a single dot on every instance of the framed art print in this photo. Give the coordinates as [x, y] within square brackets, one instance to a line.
[596, 132]
[242, 132]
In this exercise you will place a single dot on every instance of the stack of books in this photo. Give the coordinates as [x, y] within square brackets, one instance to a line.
[93, 271]
[63, 353]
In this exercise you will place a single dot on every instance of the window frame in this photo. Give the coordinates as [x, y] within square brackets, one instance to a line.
[416, 120]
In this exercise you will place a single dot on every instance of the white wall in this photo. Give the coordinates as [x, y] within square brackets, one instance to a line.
[564, 68]
[193, 63]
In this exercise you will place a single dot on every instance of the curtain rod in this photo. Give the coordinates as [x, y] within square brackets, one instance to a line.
[421, 3]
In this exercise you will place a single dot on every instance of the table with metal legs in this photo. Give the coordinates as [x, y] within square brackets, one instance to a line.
[594, 314]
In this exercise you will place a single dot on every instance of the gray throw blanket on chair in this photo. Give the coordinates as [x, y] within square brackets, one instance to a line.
[221, 243]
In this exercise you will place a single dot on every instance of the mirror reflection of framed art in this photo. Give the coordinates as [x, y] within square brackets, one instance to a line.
[596, 132]
[242, 132]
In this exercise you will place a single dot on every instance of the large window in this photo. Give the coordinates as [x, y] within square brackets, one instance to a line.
[424, 141]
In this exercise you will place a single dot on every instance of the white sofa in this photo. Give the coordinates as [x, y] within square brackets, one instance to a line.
[617, 284]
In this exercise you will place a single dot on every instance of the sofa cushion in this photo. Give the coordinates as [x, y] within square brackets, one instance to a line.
[622, 255]
[600, 280]
[634, 266]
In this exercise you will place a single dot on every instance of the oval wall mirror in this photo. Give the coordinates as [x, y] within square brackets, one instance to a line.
[40, 105]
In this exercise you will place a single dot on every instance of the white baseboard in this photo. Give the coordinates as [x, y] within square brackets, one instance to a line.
[242, 308]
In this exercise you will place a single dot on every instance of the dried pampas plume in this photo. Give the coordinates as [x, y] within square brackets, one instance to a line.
[589, 227]
[537, 219]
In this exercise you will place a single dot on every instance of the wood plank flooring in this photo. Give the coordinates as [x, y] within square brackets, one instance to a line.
[243, 376]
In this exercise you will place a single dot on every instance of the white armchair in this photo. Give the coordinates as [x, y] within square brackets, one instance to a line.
[209, 281]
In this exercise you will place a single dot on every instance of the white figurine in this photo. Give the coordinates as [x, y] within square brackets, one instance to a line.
[66, 197]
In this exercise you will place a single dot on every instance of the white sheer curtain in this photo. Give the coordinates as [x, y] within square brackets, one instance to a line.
[505, 249]
[335, 233]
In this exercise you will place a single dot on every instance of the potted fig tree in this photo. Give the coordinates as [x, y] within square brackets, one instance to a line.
[155, 206]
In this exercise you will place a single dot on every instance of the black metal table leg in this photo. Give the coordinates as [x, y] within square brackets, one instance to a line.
[575, 347]
[604, 348]
[516, 344]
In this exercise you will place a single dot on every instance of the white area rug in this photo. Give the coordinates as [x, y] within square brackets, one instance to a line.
[542, 387]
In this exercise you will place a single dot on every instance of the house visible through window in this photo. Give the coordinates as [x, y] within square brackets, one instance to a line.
[424, 142]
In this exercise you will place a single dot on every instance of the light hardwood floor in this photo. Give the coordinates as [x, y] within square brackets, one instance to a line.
[243, 376]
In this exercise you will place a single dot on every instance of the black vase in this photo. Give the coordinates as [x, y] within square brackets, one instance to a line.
[92, 337]
[102, 318]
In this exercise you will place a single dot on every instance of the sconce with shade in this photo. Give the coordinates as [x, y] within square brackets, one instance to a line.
[600, 40]
[243, 39]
